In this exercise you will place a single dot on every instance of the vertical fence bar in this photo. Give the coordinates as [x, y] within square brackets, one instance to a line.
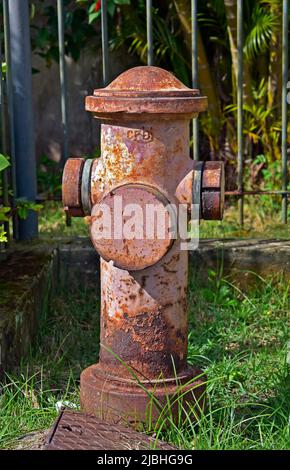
[149, 24]
[105, 42]
[3, 146]
[284, 109]
[194, 68]
[9, 92]
[63, 81]
[22, 112]
[240, 138]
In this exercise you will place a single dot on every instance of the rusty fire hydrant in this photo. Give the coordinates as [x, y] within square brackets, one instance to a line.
[145, 163]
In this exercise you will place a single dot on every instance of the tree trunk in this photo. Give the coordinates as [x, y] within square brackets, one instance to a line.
[231, 13]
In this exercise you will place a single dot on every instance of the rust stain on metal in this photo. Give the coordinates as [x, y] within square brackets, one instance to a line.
[212, 198]
[144, 80]
[146, 90]
[133, 253]
[212, 175]
[71, 186]
[118, 400]
[141, 314]
[212, 190]
[144, 159]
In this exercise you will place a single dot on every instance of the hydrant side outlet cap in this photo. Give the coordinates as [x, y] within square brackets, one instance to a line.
[146, 89]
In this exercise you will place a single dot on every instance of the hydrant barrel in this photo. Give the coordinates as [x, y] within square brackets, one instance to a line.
[144, 164]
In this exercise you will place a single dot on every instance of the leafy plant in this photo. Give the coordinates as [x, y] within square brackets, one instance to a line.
[3, 235]
[4, 214]
[44, 34]
[262, 26]
[94, 10]
[4, 162]
[48, 177]
[168, 44]
[262, 135]
[23, 206]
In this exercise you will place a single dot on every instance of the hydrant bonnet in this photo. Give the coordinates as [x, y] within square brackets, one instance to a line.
[149, 90]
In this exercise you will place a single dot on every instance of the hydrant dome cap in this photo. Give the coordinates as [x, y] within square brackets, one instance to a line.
[147, 80]
[146, 89]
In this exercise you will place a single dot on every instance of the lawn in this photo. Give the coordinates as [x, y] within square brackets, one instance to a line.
[239, 338]
[262, 220]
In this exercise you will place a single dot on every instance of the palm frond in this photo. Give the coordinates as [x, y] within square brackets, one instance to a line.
[264, 25]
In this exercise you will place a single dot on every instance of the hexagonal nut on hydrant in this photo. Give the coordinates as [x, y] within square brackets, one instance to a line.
[144, 164]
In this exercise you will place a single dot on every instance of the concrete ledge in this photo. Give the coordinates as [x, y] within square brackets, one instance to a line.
[243, 260]
[32, 272]
[27, 277]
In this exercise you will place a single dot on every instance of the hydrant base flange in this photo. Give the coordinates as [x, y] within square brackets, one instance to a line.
[129, 402]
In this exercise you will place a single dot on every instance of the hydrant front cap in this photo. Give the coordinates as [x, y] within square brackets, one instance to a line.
[112, 236]
[146, 89]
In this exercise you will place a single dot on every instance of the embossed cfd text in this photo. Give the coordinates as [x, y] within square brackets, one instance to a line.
[140, 135]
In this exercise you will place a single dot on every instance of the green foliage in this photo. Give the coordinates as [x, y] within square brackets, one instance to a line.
[168, 45]
[4, 162]
[263, 24]
[4, 211]
[52, 222]
[260, 125]
[23, 206]
[48, 177]
[4, 68]
[78, 33]
[94, 10]
[3, 235]
[262, 219]
[270, 174]
[212, 17]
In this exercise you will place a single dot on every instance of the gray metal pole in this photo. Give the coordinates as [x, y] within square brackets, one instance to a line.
[149, 32]
[105, 41]
[9, 91]
[22, 108]
[194, 61]
[63, 80]
[284, 109]
[240, 137]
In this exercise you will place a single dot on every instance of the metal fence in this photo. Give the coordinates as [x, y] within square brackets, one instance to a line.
[20, 179]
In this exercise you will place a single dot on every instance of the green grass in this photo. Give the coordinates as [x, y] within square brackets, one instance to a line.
[67, 341]
[262, 220]
[239, 338]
